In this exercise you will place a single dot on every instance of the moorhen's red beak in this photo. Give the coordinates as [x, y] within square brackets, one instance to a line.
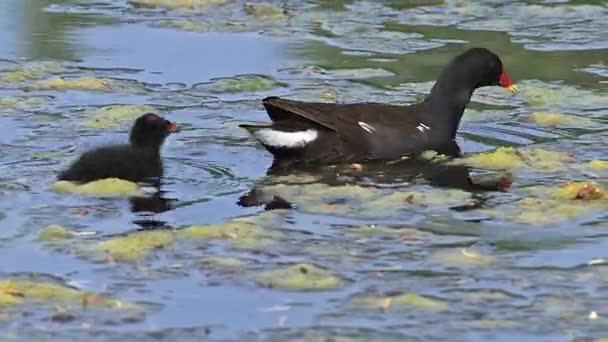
[173, 127]
[506, 82]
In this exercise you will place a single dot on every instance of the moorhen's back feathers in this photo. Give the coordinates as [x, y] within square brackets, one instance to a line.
[337, 133]
[136, 162]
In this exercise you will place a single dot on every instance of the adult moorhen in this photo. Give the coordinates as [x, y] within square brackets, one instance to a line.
[325, 133]
[138, 161]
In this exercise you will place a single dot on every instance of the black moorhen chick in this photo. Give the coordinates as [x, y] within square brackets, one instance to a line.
[324, 133]
[136, 162]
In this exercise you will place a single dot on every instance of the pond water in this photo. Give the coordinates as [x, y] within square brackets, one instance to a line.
[381, 252]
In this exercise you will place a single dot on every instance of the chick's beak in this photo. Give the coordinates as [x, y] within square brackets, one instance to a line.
[173, 127]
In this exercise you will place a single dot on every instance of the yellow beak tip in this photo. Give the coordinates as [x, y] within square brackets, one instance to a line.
[512, 88]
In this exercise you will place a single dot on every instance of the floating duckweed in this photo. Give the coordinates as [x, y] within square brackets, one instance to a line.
[135, 246]
[598, 165]
[16, 291]
[82, 83]
[579, 190]
[409, 300]
[305, 277]
[111, 116]
[54, 233]
[557, 119]
[264, 10]
[179, 4]
[109, 187]
[243, 83]
[241, 234]
[511, 158]
[461, 257]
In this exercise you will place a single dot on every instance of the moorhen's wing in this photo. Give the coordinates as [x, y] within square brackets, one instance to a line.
[386, 131]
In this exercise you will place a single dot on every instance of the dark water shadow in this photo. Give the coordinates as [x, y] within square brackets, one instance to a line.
[148, 206]
[394, 174]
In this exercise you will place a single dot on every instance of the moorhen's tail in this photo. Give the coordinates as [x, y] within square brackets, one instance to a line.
[284, 138]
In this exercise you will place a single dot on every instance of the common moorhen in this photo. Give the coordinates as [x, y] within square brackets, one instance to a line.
[138, 161]
[325, 133]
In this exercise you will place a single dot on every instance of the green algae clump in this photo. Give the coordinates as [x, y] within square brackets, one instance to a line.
[511, 158]
[598, 165]
[81, 83]
[579, 190]
[243, 84]
[557, 119]
[135, 246]
[304, 277]
[17, 291]
[240, 234]
[109, 187]
[112, 116]
[409, 300]
[54, 233]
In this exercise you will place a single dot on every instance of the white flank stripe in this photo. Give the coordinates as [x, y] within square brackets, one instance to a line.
[367, 127]
[275, 138]
[422, 127]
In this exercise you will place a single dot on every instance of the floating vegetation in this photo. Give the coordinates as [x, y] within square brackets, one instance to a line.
[179, 4]
[557, 119]
[9, 104]
[303, 277]
[187, 25]
[243, 83]
[134, 246]
[579, 190]
[109, 187]
[54, 233]
[461, 257]
[562, 97]
[223, 263]
[22, 73]
[264, 10]
[410, 301]
[16, 291]
[80, 83]
[598, 165]
[240, 234]
[512, 158]
[116, 115]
